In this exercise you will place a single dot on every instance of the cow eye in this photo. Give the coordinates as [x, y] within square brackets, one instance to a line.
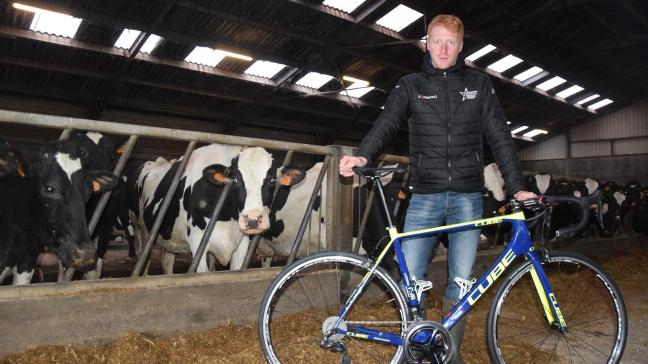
[49, 189]
[272, 181]
[235, 181]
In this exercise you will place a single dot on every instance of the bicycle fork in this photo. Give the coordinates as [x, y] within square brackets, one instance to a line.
[552, 311]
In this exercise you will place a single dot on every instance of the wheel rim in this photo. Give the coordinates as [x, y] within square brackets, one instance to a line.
[593, 312]
[314, 291]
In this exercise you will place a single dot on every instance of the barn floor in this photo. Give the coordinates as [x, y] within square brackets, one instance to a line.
[239, 344]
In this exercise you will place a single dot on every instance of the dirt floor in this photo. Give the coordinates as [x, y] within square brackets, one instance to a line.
[239, 344]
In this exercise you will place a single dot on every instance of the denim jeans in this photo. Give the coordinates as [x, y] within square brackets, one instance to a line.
[438, 209]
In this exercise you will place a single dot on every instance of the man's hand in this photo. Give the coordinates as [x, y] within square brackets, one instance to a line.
[524, 195]
[348, 162]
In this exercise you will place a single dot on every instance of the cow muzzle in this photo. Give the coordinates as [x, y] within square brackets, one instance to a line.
[83, 260]
[254, 222]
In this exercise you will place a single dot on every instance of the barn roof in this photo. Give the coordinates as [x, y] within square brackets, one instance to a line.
[593, 47]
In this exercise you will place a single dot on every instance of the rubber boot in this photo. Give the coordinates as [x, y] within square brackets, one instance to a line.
[457, 331]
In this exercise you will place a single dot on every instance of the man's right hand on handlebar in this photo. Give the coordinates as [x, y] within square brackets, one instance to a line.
[348, 162]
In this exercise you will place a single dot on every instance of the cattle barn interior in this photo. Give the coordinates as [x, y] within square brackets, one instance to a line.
[305, 80]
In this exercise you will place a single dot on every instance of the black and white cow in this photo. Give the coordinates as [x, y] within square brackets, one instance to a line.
[245, 212]
[47, 209]
[278, 242]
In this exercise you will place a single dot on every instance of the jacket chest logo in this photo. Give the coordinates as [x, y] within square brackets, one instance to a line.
[427, 97]
[467, 95]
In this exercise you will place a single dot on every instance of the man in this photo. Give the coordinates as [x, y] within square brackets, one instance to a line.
[448, 109]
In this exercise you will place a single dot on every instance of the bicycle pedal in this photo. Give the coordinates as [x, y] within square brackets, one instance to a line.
[420, 287]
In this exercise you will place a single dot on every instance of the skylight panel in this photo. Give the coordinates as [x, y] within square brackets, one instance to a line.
[50, 22]
[127, 38]
[505, 63]
[528, 73]
[205, 56]
[150, 43]
[600, 104]
[535, 132]
[265, 69]
[587, 99]
[517, 130]
[399, 18]
[480, 53]
[348, 6]
[570, 91]
[548, 85]
[314, 80]
[357, 89]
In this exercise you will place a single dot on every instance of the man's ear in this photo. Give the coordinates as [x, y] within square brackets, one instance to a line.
[290, 176]
[215, 174]
[102, 181]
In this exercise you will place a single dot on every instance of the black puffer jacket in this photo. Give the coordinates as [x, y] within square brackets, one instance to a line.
[448, 111]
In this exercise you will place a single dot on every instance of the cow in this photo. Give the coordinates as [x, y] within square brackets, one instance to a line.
[277, 241]
[245, 211]
[46, 210]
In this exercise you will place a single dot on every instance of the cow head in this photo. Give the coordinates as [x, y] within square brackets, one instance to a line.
[97, 151]
[64, 187]
[253, 185]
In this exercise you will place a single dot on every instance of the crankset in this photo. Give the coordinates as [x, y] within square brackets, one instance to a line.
[427, 342]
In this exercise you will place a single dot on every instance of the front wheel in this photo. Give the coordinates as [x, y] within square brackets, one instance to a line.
[589, 300]
[304, 300]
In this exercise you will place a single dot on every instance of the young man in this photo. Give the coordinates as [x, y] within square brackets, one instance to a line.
[448, 109]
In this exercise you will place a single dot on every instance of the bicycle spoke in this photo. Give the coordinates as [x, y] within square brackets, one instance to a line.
[589, 301]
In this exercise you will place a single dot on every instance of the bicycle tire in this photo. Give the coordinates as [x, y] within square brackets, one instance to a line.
[589, 300]
[312, 289]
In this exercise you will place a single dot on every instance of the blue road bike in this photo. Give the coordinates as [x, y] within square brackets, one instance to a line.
[551, 306]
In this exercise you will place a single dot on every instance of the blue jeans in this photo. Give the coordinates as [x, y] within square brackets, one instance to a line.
[438, 209]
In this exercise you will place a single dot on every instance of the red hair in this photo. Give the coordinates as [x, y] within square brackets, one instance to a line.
[450, 22]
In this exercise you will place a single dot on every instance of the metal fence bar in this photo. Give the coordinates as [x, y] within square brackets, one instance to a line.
[146, 250]
[59, 122]
[65, 135]
[309, 209]
[210, 226]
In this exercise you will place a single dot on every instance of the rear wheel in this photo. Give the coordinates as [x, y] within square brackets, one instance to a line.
[304, 299]
[591, 305]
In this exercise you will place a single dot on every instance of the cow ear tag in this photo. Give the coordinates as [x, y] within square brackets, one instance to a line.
[291, 176]
[215, 174]
[96, 187]
[121, 149]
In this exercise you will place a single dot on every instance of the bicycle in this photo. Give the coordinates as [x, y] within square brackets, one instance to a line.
[339, 307]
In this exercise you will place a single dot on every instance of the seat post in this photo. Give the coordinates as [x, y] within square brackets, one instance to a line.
[383, 201]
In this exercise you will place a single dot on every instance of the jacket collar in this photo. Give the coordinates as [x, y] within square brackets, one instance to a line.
[429, 68]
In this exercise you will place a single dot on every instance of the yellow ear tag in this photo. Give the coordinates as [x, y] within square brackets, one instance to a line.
[96, 187]
[121, 149]
[21, 172]
[501, 210]
[401, 195]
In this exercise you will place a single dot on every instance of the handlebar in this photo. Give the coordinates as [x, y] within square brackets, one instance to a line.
[370, 172]
[544, 201]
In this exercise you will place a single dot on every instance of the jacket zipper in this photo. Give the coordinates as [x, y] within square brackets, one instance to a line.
[445, 87]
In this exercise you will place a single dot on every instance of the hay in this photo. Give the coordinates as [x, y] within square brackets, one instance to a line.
[239, 344]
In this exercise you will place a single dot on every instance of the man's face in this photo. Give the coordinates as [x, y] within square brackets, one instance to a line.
[444, 46]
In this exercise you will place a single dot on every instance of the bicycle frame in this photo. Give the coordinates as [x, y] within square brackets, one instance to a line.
[520, 245]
